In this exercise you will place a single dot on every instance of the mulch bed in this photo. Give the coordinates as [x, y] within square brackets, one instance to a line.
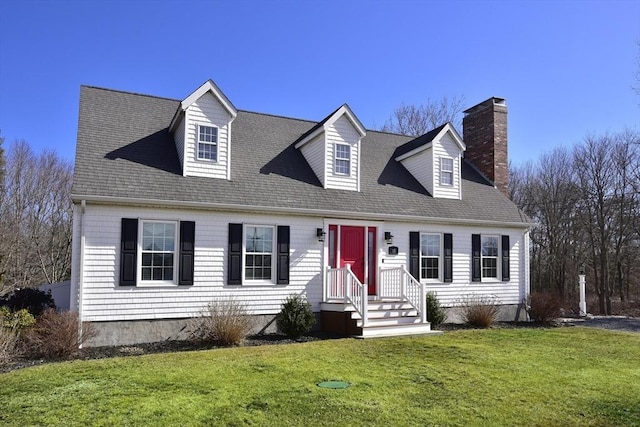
[92, 353]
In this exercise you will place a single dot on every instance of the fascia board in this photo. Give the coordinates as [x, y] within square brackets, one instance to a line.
[415, 151]
[106, 200]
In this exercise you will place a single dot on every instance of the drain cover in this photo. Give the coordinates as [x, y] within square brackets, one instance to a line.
[333, 384]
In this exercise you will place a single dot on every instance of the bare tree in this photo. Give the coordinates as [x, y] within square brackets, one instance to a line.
[416, 120]
[35, 218]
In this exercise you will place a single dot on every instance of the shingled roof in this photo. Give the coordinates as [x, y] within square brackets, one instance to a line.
[126, 153]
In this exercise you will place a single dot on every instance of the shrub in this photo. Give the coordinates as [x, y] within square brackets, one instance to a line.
[544, 307]
[480, 311]
[32, 300]
[224, 322]
[57, 335]
[435, 313]
[19, 319]
[296, 317]
[9, 339]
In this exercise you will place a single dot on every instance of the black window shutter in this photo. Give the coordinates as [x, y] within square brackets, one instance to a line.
[448, 257]
[414, 254]
[505, 259]
[283, 255]
[476, 270]
[128, 251]
[187, 237]
[234, 269]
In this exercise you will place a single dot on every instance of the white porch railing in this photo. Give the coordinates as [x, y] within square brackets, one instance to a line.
[342, 285]
[399, 283]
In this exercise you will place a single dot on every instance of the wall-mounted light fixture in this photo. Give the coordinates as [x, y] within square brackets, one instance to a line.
[388, 237]
[320, 234]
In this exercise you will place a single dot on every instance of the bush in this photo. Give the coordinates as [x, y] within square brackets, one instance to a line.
[19, 319]
[32, 300]
[435, 313]
[296, 317]
[480, 311]
[544, 307]
[57, 335]
[9, 339]
[224, 322]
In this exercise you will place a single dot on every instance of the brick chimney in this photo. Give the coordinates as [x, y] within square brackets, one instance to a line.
[484, 129]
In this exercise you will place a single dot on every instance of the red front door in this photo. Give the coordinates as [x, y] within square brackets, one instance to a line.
[354, 252]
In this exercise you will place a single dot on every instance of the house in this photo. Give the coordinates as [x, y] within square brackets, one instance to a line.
[178, 203]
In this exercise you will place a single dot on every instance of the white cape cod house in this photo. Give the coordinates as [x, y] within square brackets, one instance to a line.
[180, 203]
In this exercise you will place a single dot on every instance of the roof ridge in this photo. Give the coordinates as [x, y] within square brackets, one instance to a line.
[106, 89]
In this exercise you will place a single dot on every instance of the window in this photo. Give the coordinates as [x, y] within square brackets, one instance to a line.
[489, 256]
[343, 159]
[258, 253]
[446, 171]
[207, 143]
[429, 256]
[158, 251]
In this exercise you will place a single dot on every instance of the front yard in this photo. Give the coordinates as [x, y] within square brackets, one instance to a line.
[558, 376]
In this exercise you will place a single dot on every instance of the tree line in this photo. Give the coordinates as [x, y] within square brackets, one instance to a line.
[35, 217]
[586, 204]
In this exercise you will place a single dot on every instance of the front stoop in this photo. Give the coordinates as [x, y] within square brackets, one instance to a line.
[386, 319]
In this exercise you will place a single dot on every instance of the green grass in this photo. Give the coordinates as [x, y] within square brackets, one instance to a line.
[524, 377]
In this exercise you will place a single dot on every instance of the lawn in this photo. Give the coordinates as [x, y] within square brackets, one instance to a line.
[528, 377]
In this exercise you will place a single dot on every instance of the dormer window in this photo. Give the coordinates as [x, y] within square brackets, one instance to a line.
[343, 159]
[207, 143]
[446, 171]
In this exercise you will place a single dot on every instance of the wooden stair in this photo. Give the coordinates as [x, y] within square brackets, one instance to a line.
[386, 318]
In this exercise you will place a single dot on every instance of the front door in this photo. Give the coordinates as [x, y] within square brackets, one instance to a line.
[358, 249]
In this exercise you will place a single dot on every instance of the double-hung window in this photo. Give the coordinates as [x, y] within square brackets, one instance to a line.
[259, 251]
[158, 250]
[343, 159]
[489, 257]
[430, 256]
[446, 171]
[207, 143]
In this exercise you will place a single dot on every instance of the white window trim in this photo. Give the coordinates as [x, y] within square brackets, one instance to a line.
[443, 171]
[216, 144]
[246, 281]
[176, 243]
[497, 257]
[440, 258]
[336, 158]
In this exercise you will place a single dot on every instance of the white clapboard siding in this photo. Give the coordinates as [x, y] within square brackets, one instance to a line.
[103, 299]
[314, 152]
[449, 294]
[342, 132]
[446, 147]
[178, 137]
[420, 166]
[207, 111]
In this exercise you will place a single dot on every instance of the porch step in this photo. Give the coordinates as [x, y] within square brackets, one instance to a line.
[398, 330]
[387, 314]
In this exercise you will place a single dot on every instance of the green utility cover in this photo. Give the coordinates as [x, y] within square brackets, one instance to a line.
[333, 384]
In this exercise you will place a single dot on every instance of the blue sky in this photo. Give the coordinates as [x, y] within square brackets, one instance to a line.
[566, 68]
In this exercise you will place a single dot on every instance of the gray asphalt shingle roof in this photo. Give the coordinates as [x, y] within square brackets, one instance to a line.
[126, 151]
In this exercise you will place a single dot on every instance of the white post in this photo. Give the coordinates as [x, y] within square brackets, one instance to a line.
[326, 284]
[365, 305]
[347, 283]
[403, 282]
[583, 298]
[423, 303]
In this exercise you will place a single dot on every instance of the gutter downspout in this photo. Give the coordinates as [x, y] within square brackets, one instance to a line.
[83, 207]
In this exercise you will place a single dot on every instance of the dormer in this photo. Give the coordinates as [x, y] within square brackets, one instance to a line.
[201, 129]
[332, 149]
[435, 161]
